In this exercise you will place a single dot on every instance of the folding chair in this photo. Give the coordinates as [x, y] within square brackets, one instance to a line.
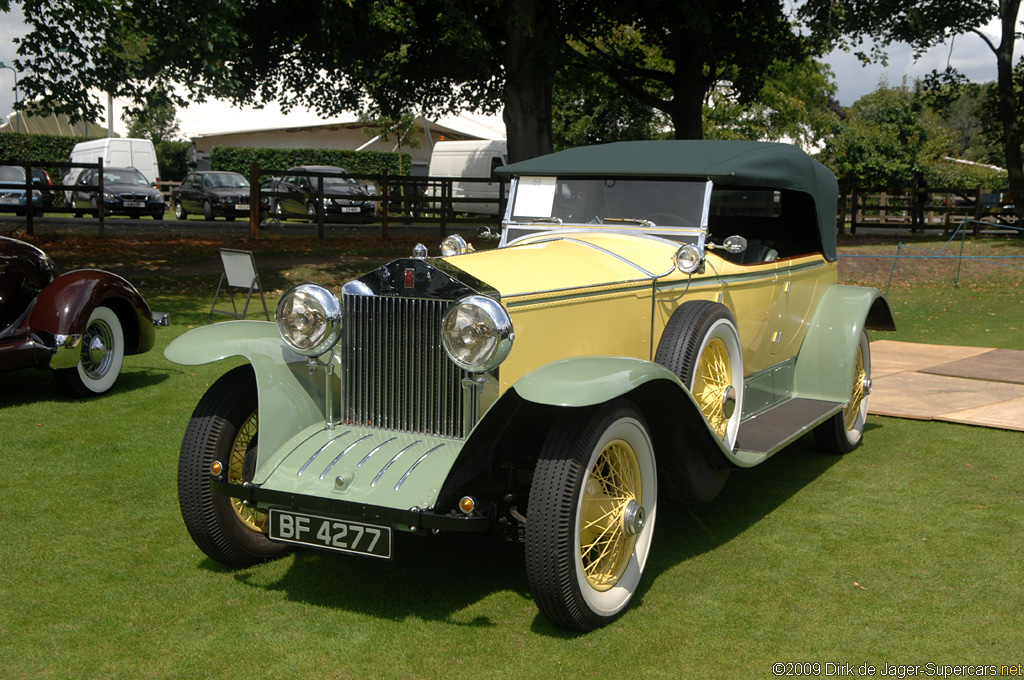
[240, 272]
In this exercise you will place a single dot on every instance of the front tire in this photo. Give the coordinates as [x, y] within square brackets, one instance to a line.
[843, 432]
[207, 211]
[591, 515]
[224, 428]
[102, 355]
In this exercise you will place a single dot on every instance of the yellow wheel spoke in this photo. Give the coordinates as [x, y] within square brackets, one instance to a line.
[612, 483]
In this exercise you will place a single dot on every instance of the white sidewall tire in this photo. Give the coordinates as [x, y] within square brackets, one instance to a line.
[99, 384]
[724, 330]
[611, 602]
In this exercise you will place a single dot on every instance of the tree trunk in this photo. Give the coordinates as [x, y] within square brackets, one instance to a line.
[530, 51]
[689, 88]
[1006, 107]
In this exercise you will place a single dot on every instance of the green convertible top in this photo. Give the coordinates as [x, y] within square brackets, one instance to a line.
[726, 163]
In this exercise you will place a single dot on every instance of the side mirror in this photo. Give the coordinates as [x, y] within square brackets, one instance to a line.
[485, 234]
[735, 244]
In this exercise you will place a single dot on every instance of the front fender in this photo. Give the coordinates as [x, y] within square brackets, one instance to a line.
[587, 381]
[290, 398]
[824, 369]
[657, 391]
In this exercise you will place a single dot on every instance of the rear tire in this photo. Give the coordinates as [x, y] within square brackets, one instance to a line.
[843, 432]
[224, 427]
[179, 211]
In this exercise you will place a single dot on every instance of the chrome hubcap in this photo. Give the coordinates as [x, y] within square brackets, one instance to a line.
[633, 518]
[97, 350]
[729, 402]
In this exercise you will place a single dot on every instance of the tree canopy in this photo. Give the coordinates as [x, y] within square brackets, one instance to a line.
[438, 56]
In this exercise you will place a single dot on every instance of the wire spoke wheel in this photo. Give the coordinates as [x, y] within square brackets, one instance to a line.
[843, 432]
[613, 484]
[591, 515]
[711, 381]
[243, 452]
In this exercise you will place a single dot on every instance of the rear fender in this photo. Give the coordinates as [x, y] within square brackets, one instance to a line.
[290, 398]
[824, 369]
[64, 306]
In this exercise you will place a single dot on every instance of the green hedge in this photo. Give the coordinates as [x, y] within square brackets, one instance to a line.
[238, 158]
[21, 146]
[173, 158]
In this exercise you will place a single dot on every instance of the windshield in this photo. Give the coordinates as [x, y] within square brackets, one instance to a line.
[230, 180]
[12, 173]
[126, 176]
[611, 201]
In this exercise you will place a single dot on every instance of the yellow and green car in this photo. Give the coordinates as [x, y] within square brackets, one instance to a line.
[656, 315]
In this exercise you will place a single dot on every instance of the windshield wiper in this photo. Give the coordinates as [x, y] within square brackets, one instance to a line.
[552, 220]
[632, 220]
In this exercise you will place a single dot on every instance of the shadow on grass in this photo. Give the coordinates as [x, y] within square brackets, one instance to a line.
[436, 577]
[32, 385]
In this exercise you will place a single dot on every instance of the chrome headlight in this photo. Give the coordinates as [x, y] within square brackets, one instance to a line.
[688, 258]
[309, 319]
[454, 245]
[477, 333]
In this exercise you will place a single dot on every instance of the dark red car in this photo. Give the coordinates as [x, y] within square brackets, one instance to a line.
[80, 324]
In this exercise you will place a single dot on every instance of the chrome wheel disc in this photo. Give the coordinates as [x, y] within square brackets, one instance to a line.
[97, 346]
[858, 392]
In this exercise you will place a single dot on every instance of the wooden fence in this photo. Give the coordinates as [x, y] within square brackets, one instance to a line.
[917, 209]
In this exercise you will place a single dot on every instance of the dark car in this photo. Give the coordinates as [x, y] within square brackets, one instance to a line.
[80, 324]
[12, 191]
[212, 194]
[126, 191]
[344, 199]
[41, 181]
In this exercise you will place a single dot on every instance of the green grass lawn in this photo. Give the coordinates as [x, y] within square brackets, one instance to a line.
[907, 551]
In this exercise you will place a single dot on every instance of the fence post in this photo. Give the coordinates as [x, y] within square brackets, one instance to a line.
[28, 199]
[319, 208]
[842, 211]
[854, 206]
[254, 199]
[446, 204]
[99, 196]
[979, 209]
[385, 200]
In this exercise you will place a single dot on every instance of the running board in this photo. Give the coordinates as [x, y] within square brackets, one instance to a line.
[767, 432]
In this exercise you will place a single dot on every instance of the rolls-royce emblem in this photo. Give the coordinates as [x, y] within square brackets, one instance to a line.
[410, 278]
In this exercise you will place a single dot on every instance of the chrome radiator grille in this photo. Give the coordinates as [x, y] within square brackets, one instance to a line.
[396, 374]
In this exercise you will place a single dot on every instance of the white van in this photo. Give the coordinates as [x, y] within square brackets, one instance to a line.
[117, 153]
[479, 158]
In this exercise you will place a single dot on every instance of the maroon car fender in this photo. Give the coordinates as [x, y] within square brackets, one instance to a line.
[64, 306]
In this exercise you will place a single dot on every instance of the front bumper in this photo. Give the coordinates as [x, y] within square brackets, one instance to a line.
[414, 519]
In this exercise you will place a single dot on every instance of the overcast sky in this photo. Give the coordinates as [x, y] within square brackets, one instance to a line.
[969, 54]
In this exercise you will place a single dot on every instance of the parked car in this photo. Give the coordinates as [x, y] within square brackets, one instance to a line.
[656, 315]
[13, 194]
[125, 192]
[41, 181]
[80, 324]
[213, 194]
[345, 199]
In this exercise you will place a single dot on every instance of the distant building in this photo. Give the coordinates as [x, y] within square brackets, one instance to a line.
[351, 134]
[20, 121]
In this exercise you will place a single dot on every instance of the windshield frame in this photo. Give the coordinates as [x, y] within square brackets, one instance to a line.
[516, 228]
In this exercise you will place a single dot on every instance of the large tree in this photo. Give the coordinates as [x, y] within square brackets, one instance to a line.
[924, 24]
[435, 55]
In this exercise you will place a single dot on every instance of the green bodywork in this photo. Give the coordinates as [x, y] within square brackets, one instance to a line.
[301, 454]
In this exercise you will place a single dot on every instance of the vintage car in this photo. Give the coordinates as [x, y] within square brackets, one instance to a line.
[213, 194]
[656, 314]
[80, 324]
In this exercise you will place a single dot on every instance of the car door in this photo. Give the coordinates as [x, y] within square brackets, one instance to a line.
[187, 193]
[293, 199]
[82, 195]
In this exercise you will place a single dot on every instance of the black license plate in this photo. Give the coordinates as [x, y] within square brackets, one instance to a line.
[330, 534]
